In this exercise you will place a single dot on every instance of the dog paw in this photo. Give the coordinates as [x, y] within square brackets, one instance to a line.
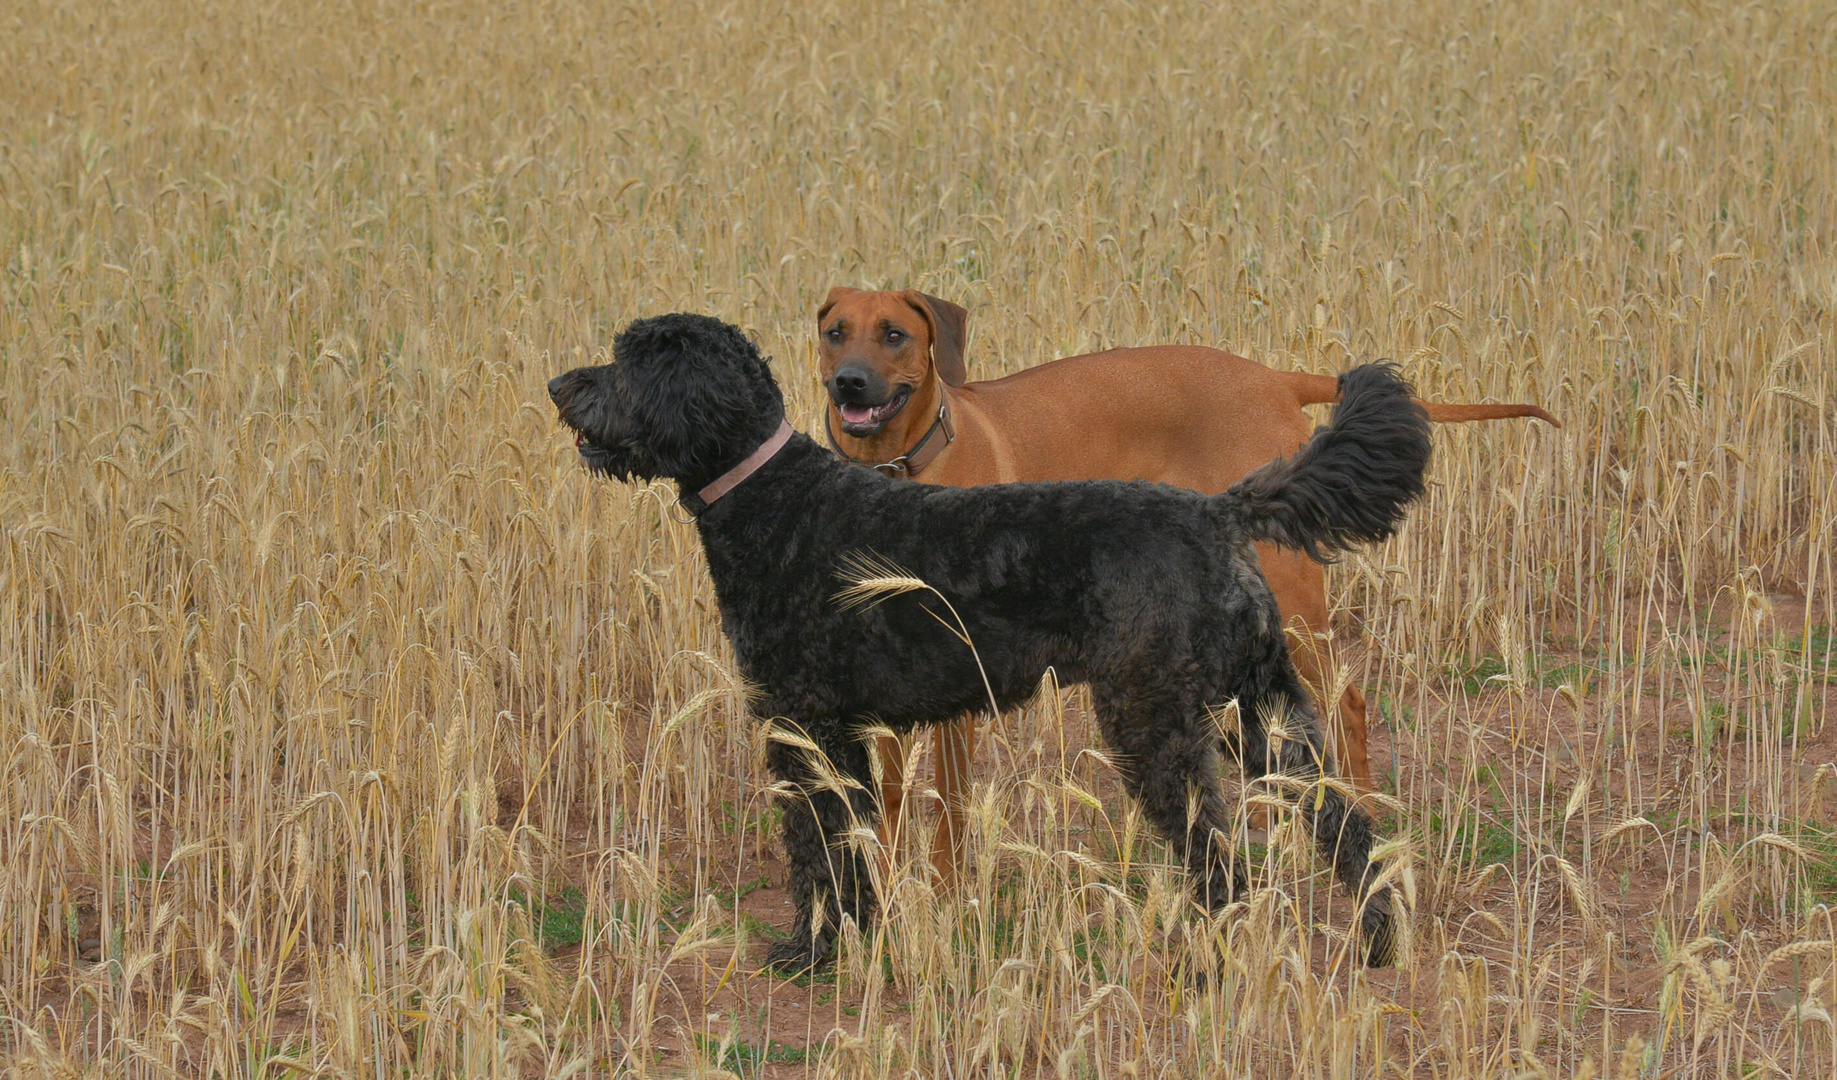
[1200, 971]
[797, 957]
[1377, 930]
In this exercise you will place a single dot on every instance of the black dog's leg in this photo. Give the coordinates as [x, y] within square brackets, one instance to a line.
[1170, 767]
[829, 871]
[1342, 831]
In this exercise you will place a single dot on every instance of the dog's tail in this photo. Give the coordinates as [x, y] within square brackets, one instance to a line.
[1321, 390]
[1349, 483]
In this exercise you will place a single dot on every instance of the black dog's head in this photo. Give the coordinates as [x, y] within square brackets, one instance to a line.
[686, 398]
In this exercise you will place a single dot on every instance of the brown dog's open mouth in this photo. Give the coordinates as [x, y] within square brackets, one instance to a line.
[861, 420]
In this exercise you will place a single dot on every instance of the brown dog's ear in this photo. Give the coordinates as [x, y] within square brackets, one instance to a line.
[835, 295]
[949, 334]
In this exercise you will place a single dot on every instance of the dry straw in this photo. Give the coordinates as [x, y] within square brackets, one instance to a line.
[349, 728]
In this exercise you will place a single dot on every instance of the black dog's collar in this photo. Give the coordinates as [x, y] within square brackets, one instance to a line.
[908, 464]
[697, 502]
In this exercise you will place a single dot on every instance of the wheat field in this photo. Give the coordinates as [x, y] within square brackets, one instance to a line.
[349, 729]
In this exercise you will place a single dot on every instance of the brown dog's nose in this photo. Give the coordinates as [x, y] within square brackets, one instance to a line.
[853, 382]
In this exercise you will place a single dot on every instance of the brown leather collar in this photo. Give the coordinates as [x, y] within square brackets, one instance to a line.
[908, 464]
[697, 502]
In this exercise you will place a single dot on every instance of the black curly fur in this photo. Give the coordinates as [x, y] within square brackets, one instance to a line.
[1351, 482]
[1151, 594]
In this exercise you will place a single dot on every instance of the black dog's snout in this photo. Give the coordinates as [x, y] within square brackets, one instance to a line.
[555, 388]
[857, 384]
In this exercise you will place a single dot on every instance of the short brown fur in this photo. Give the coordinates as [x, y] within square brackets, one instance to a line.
[1185, 415]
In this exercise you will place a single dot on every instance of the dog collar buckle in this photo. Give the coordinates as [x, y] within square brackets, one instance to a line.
[906, 465]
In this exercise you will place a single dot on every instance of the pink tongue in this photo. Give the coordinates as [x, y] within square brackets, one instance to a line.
[857, 414]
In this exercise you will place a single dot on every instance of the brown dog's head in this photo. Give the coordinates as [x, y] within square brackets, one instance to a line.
[879, 348]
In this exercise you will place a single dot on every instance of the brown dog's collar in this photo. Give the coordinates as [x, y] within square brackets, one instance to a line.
[698, 502]
[908, 464]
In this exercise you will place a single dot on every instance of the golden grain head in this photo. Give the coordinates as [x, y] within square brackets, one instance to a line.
[350, 728]
[870, 579]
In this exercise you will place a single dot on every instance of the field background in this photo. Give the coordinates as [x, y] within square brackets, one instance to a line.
[347, 728]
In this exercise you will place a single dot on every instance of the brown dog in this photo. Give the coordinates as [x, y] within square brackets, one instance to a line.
[1198, 418]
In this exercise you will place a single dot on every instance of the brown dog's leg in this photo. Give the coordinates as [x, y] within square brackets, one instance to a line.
[892, 796]
[1349, 739]
[1301, 593]
[1346, 731]
[956, 748]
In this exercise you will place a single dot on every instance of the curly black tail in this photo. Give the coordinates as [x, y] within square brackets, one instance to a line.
[1353, 479]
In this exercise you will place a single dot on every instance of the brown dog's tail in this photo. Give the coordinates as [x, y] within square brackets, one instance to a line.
[1324, 390]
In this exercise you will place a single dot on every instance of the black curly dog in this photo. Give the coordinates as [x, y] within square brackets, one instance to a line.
[1149, 593]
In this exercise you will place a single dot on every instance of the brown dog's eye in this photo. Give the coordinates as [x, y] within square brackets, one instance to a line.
[894, 337]
[834, 333]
